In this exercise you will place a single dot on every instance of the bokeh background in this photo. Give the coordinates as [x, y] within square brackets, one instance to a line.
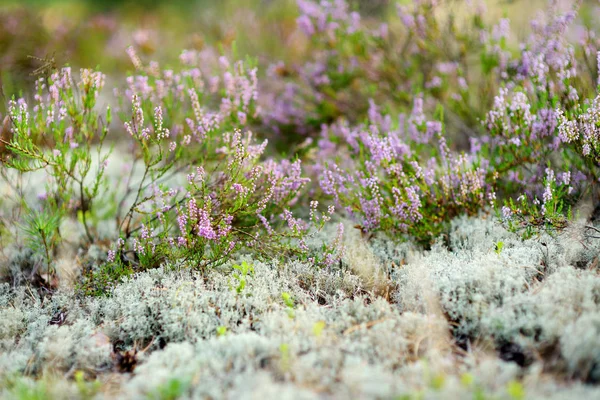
[95, 33]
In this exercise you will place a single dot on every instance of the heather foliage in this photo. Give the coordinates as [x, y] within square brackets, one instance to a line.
[395, 180]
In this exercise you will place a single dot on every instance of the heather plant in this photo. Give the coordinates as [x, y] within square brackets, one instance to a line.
[243, 270]
[530, 215]
[394, 180]
[239, 202]
[58, 136]
[420, 49]
[523, 136]
[514, 85]
[520, 126]
[548, 60]
[231, 198]
[539, 171]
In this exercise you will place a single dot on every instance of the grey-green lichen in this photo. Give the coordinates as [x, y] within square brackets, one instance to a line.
[468, 318]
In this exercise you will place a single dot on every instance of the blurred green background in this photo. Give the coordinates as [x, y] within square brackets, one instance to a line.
[95, 33]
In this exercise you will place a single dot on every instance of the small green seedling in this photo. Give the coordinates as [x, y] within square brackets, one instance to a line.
[318, 328]
[87, 390]
[289, 302]
[467, 379]
[284, 351]
[42, 233]
[170, 390]
[515, 390]
[221, 331]
[244, 270]
[499, 246]
[287, 299]
[437, 381]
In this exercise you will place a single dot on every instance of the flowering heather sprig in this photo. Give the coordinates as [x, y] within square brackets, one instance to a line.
[532, 214]
[553, 64]
[525, 136]
[232, 200]
[179, 99]
[522, 138]
[598, 67]
[583, 130]
[326, 17]
[391, 181]
[239, 205]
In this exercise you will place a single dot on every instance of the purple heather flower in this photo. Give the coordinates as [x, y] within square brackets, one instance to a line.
[598, 66]
[242, 117]
[566, 177]
[305, 24]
